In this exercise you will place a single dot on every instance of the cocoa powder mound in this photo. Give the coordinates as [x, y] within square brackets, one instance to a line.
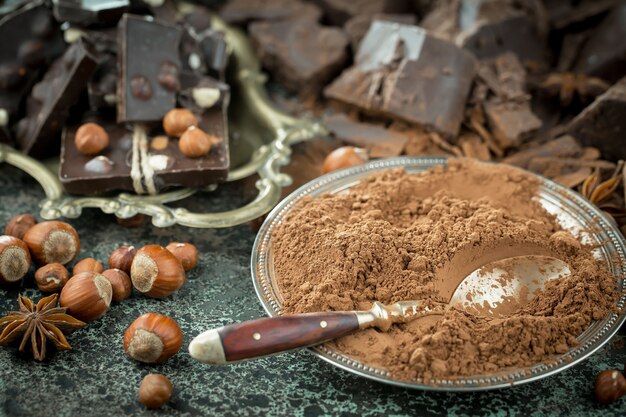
[398, 236]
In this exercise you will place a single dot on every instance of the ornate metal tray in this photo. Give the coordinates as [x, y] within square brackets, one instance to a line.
[260, 146]
[573, 212]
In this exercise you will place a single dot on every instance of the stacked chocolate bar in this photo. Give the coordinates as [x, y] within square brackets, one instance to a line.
[102, 84]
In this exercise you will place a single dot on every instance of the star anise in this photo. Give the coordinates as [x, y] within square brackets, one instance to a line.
[567, 85]
[599, 192]
[36, 324]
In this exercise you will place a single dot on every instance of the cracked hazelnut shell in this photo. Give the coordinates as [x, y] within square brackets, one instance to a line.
[52, 242]
[51, 277]
[87, 296]
[153, 338]
[14, 260]
[156, 272]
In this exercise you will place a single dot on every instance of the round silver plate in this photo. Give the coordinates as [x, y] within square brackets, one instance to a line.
[573, 212]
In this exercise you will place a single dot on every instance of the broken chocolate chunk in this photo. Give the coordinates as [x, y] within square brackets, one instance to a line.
[403, 73]
[357, 26]
[244, 11]
[302, 55]
[340, 11]
[563, 147]
[50, 100]
[604, 54]
[147, 52]
[379, 141]
[89, 12]
[602, 124]
[511, 123]
[489, 28]
[32, 39]
[204, 52]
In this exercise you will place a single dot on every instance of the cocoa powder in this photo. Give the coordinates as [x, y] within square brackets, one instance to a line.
[398, 236]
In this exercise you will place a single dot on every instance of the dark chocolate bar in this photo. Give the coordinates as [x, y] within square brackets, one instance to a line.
[50, 100]
[146, 162]
[149, 67]
[31, 39]
[402, 72]
[89, 12]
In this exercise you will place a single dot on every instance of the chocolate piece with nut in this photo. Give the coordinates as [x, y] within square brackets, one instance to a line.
[31, 40]
[47, 108]
[402, 72]
[149, 68]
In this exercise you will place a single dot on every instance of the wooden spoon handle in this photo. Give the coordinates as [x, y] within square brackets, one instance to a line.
[266, 336]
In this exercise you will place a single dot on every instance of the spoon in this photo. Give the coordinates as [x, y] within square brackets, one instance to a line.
[494, 289]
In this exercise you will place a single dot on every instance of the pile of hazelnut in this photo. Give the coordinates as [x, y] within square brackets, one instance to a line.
[153, 270]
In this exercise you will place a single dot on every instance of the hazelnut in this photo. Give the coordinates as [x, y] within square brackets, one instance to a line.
[14, 260]
[135, 221]
[177, 121]
[19, 225]
[610, 385]
[153, 338]
[158, 143]
[194, 143]
[344, 157]
[87, 265]
[51, 277]
[91, 139]
[156, 272]
[122, 258]
[87, 296]
[51, 242]
[186, 253]
[155, 390]
[120, 283]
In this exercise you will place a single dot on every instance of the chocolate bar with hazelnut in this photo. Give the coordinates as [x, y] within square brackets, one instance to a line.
[403, 73]
[148, 68]
[131, 166]
[31, 40]
[48, 105]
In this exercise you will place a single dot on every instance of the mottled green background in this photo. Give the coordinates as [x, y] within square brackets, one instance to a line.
[97, 379]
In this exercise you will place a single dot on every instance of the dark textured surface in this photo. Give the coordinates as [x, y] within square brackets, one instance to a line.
[97, 379]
